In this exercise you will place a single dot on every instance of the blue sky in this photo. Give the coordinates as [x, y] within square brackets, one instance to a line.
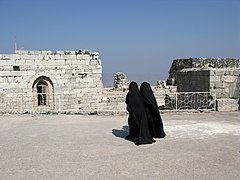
[137, 37]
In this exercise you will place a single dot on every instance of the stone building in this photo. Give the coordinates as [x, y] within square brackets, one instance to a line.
[220, 77]
[45, 81]
[71, 82]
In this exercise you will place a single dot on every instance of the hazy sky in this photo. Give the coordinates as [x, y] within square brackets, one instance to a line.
[132, 36]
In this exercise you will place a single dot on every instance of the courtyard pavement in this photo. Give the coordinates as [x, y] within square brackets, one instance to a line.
[198, 146]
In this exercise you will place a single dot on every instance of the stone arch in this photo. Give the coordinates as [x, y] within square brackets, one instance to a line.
[32, 79]
[43, 94]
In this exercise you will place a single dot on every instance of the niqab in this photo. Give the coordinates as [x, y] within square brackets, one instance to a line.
[152, 111]
[138, 125]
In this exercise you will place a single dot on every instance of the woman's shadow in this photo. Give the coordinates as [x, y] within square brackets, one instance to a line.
[121, 133]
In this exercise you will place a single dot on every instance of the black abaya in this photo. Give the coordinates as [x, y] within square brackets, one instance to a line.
[138, 125]
[152, 111]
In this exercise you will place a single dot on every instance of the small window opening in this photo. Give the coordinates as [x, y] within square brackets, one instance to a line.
[16, 68]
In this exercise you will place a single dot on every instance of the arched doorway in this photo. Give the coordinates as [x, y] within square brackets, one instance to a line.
[43, 94]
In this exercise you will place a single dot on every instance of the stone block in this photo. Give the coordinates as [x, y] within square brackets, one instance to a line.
[93, 62]
[220, 72]
[8, 68]
[57, 72]
[97, 71]
[60, 62]
[22, 85]
[84, 57]
[20, 62]
[79, 68]
[4, 85]
[29, 62]
[227, 105]
[218, 84]
[5, 73]
[68, 62]
[29, 73]
[236, 73]
[60, 52]
[215, 78]
[78, 62]
[40, 62]
[212, 72]
[228, 78]
[72, 55]
[3, 80]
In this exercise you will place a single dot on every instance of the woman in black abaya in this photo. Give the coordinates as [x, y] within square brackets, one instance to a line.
[137, 120]
[152, 111]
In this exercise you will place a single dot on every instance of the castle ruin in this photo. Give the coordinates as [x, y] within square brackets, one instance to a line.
[218, 76]
[42, 81]
[71, 82]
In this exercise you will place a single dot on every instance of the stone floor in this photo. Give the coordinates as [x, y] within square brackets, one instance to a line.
[197, 146]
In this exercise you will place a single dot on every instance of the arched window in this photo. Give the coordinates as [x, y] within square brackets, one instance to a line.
[43, 94]
[42, 90]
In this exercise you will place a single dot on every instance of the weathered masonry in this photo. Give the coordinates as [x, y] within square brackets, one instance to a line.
[71, 82]
[218, 76]
[38, 81]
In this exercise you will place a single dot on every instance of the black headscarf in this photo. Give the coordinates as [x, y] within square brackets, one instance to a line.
[137, 120]
[152, 111]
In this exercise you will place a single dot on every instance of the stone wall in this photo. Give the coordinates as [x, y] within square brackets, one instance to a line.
[71, 80]
[120, 81]
[193, 80]
[202, 63]
[225, 83]
[220, 76]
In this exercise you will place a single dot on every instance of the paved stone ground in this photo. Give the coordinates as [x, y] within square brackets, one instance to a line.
[197, 146]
